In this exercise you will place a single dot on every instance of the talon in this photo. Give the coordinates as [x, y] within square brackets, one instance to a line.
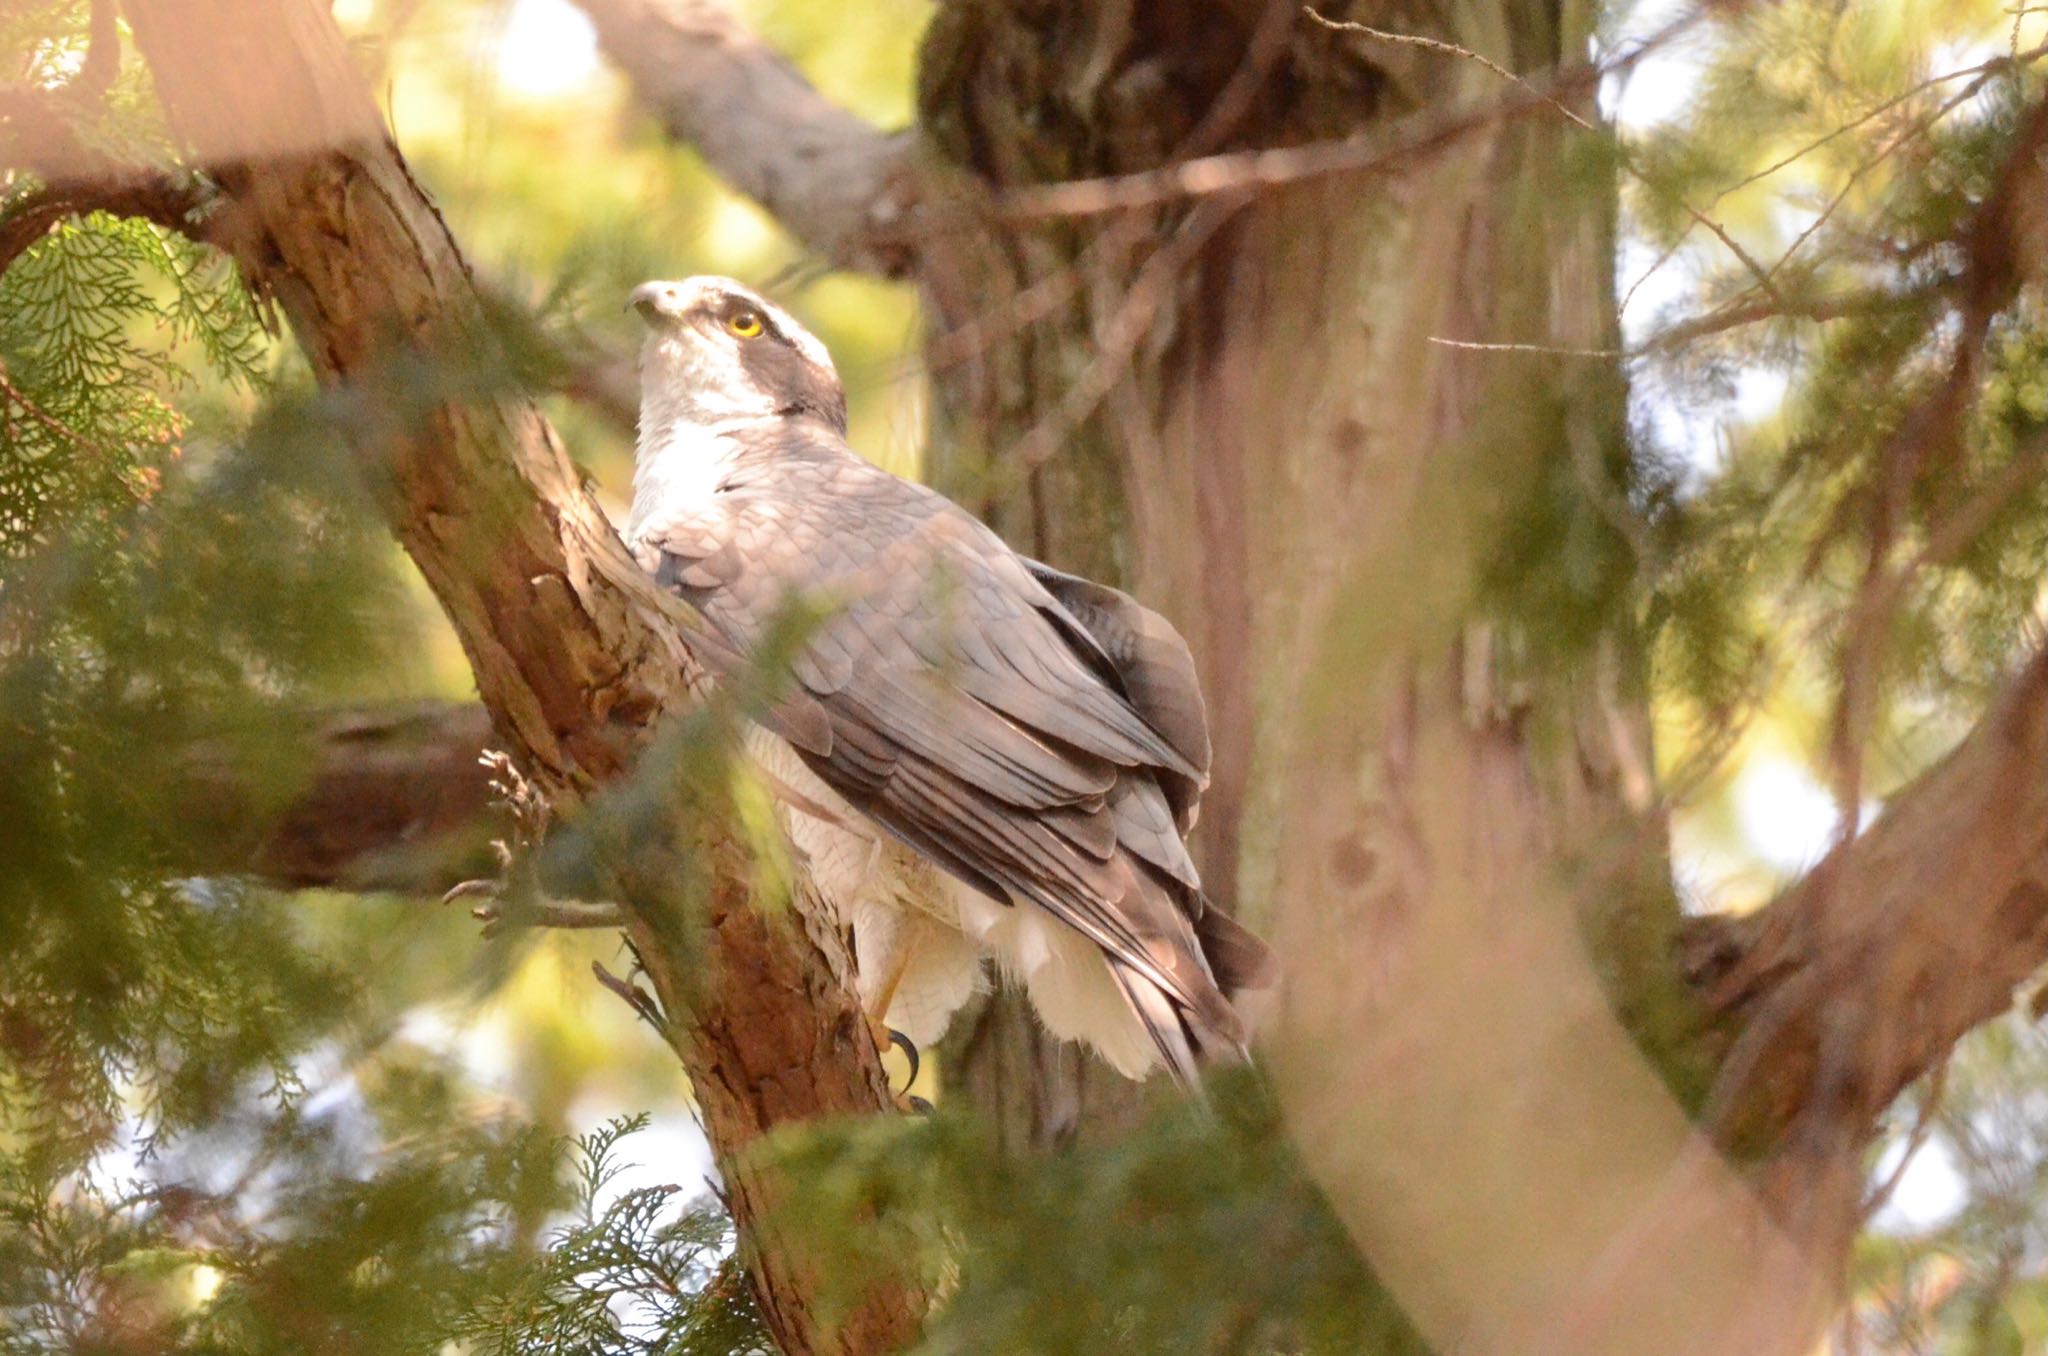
[903, 1043]
[886, 1036]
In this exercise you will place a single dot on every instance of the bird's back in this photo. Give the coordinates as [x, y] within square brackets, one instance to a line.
[961, 697]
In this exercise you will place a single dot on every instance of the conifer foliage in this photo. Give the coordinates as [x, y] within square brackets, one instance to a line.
[251, 1115]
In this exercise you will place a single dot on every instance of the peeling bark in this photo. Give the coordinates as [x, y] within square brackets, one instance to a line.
[575, 654]
[1450, 826]
[1500, 1036]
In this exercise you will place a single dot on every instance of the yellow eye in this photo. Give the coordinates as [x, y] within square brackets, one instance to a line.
[745, 324]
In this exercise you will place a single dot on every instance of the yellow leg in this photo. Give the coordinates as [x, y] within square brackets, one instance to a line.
[878, 1007]
[878, 1012]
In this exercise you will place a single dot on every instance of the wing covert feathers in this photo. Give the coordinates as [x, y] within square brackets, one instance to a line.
[1040, 737]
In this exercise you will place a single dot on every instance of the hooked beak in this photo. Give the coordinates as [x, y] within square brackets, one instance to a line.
[654, 300]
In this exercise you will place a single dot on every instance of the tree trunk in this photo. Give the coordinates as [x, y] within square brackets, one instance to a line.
[1233, 407]
[1406, 564]
[1405, 568]
[1074, 369]
[576, 655]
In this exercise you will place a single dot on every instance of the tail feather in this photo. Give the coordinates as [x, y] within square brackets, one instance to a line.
[1237, 956]
[1244, 970]
[1162, 1020]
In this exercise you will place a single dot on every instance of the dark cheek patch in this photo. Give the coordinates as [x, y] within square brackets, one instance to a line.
[796, 382]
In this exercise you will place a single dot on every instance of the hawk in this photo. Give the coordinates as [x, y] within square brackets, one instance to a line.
[980, 756]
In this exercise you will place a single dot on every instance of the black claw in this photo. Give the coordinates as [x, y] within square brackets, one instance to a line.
[902, 1042]
[919, 1105]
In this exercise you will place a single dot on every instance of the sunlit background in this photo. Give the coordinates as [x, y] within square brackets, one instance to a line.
[511, 116]
[565, 194]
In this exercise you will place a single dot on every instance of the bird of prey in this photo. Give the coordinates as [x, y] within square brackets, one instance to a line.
[978, 755]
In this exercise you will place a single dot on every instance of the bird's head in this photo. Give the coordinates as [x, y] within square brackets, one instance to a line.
[717, 351]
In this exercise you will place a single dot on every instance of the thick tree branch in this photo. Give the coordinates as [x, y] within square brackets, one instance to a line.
[838, 184]
[575, 654]
[1860, 978]
[394, 799]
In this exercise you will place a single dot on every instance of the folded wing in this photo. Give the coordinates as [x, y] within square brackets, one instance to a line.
[1039, 736]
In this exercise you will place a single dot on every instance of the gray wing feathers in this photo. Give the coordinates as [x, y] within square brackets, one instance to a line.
[1169, 1033]
[1145, 826]
[940, 724]
[1152, 663]
[1040, 737]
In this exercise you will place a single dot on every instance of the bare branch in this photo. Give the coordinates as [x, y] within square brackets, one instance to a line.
[133, 192]
[1734, 315]
[1978, 74]
[1244, 171]
[1572, 115]
[1738, 313]
[1546, 350]
[838, 184]
[2014, 62]
[497, 915]
[1447, 49]
[1238, 171]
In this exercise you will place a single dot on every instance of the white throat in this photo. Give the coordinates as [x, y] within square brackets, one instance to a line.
[693, 399]
[680, 466]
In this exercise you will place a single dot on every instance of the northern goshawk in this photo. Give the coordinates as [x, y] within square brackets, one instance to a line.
[978, 755]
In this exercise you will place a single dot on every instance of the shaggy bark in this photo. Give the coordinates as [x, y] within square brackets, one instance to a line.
[1520, 1075]
[576, 656]
[1435, 777]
